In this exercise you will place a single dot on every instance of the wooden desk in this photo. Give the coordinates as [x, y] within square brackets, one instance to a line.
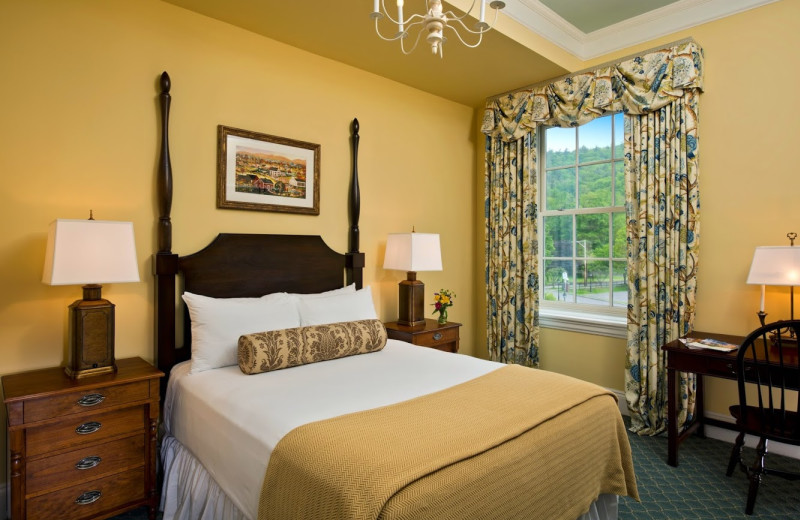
[703, 362]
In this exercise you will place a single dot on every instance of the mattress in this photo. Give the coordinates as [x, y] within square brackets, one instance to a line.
[231, 422]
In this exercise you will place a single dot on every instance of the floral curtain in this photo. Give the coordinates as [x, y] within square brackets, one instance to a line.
[658, 92]
[512, 284]
[662, 197]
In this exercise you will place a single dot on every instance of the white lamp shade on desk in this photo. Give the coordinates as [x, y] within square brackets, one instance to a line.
[413, 252]
[775, 265]
[90, 252]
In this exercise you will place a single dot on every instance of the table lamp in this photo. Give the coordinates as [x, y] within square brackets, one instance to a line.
[89, 253]
[776, 265]
[412, 252]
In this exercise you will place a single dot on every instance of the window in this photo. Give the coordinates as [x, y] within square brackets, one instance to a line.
[582, 201]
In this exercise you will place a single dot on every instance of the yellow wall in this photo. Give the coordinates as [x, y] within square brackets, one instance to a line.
[78, 94]
[748, 181]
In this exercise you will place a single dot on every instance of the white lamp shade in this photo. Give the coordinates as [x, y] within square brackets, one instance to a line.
[90, 252]
[775, 265]
[413, 252]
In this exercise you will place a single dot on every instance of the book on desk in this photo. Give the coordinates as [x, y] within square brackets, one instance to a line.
[709, 343]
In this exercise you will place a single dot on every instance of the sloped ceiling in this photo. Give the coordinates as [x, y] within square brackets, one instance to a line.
[343, 31]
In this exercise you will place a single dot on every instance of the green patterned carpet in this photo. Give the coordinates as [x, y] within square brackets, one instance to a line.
[697, 489]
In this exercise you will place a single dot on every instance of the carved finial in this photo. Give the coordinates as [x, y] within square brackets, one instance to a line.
[791, 236]
[91, 215]
[165, 82]
[355, 125]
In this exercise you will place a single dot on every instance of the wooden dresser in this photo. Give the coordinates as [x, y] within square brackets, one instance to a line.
[441, 337]
[82, 448]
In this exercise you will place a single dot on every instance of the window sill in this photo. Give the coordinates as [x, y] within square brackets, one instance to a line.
[584, 322]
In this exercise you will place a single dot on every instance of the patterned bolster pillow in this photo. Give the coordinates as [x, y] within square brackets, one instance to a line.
[276, 349]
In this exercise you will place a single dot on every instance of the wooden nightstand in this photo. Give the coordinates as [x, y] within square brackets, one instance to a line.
[82, 448]
[441, 337]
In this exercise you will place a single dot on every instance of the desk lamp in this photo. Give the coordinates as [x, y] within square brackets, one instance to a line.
[412, 252]
[89, 253]
[776, 265]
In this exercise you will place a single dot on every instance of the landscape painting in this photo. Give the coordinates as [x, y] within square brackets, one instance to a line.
[266, 173]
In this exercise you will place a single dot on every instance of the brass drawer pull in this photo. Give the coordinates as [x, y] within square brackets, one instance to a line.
[437, 336]
[87, 428]
[91, 399]
[90, 497]
[88, 462]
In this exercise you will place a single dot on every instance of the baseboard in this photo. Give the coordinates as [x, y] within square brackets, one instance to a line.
[723, 434]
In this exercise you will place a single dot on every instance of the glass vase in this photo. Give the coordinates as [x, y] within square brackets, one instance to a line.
[442, 316]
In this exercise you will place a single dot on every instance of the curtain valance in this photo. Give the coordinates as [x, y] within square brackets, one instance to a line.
[635, 86]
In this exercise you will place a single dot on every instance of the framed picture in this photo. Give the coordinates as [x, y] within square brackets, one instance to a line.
[266, 173]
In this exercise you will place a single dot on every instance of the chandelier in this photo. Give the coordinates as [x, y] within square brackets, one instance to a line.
[433, 23]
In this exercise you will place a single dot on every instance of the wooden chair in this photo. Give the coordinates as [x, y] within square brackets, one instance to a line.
[769, 363]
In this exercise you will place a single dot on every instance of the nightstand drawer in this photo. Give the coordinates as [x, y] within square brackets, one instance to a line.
[79, 402]
[84, 430]
[436, 337]
[91, 498]
[84, 464]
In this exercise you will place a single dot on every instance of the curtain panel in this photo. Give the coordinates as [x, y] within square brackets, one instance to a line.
[658, 93]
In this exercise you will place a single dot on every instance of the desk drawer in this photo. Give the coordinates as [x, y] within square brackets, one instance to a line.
[98, 496]
[95, 461]
[721, 367]
[95, 428]
[87, 400]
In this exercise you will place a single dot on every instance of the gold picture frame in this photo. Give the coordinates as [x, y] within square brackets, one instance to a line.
[264, 172]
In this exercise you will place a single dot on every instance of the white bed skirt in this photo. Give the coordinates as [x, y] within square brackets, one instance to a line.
[190, 493]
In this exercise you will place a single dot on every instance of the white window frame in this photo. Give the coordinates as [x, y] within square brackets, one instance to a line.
[575, 317]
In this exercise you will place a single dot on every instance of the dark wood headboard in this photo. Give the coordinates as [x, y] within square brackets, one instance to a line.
[241, 265]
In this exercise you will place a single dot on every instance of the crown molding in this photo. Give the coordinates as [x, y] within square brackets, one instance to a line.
[680, 15]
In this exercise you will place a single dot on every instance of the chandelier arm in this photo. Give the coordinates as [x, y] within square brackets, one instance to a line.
[416, 42]
[382, 37]
[458, 35]
[480, 31]
[386, 14]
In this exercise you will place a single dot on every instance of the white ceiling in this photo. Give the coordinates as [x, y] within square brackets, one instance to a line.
[343, 31]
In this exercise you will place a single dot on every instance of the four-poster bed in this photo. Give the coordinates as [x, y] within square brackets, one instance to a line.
[271, 445]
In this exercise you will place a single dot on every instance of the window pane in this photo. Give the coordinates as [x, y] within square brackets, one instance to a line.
[619, 183]
[560, 147]
[592, 282]
[558, 236]
[594, 186]
[619, 284]
[619, 136]
[594, 139]
[560, 189]
[619, 235]
[592, 236]
[558, 281]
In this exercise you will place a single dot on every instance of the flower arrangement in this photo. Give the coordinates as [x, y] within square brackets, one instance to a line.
[441, 301]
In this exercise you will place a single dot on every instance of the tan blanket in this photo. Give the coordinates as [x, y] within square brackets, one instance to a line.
[515, 443]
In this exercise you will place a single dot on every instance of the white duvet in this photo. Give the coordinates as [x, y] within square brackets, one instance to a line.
[231, 422]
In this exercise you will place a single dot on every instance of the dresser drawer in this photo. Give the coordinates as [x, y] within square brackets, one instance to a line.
[95, 428]
[437, 337]
[84, 464]
[78, 402]
[99, 495]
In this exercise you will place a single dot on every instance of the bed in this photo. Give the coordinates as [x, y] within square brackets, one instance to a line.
[359, 427]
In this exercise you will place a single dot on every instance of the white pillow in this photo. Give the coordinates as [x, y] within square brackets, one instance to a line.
[217, 324]
[333, 292]
[337, 308]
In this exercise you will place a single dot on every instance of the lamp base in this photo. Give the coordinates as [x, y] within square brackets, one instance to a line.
[412, 301]
[91, 335]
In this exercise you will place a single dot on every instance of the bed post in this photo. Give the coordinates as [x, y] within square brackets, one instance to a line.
[166, 263]
[355, 258]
